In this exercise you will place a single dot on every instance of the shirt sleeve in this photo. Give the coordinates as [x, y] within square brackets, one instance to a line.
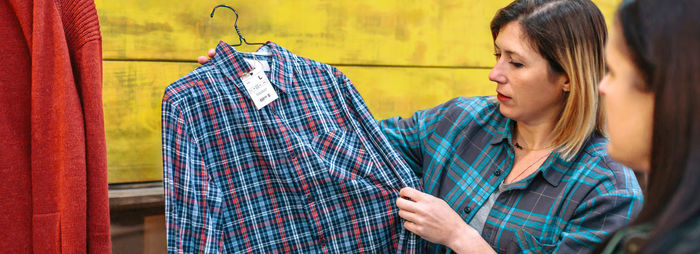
[359, 110]
[192, 201]
[408, 242]
[404, 135]
[409, 136]
[598, 217]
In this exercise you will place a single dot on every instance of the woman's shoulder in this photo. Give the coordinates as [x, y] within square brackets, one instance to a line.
[595, 164]
[594, 152]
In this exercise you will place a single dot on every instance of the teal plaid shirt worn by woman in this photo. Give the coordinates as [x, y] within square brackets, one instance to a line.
[463, 150]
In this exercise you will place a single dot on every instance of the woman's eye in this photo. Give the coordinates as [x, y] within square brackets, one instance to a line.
[608, 71]
[517, 65]
[497, 55]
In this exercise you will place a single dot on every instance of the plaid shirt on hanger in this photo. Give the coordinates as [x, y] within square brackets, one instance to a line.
[310, 172]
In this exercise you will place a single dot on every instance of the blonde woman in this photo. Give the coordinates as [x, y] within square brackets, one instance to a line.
[526, 171]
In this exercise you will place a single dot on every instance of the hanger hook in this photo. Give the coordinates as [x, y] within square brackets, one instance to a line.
[241, 39]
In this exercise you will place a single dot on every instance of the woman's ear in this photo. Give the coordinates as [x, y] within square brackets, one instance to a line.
[565, 83]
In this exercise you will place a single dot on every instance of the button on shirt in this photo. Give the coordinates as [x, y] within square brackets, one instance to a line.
[310, 173]
[463, 150]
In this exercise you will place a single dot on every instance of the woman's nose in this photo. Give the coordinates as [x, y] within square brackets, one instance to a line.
[496, 74]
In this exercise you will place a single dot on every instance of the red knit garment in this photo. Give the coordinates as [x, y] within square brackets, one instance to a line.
[53, 168]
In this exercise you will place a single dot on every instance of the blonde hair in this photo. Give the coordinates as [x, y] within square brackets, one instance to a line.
[571, 35]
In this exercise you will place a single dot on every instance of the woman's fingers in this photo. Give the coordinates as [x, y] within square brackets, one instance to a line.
[409, 216]
[411, 193]
[410, 226]
[202, 59]
[405, 204]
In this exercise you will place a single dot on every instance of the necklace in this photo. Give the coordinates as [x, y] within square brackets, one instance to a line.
[528, 167]
[517, 145]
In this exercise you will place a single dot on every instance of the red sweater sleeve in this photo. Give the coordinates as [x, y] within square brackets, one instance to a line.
[82, 30]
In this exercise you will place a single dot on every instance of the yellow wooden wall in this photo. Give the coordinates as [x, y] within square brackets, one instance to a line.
[402, 55]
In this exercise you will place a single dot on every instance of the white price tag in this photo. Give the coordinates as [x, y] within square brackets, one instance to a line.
[257, 63]
[259, 88]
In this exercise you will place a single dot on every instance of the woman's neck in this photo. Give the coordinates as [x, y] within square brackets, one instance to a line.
[534, 136]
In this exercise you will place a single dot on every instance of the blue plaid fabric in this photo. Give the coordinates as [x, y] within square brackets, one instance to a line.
[463, 150]
[309, 173]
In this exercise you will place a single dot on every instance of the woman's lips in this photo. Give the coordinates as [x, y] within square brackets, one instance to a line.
[502, 97]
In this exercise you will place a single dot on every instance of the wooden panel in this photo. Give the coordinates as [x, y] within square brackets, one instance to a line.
[132, 95]
[133, 92]
[391, 92]
[396, 32]
[392, 32]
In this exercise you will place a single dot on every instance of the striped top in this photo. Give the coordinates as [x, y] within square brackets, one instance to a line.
[463, 150]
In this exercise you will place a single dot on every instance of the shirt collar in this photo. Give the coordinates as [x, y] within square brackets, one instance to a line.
[555, 168]
[504, 133]
[233, 65]
[552, 170]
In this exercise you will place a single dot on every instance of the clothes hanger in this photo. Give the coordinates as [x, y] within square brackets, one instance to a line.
[241, 39]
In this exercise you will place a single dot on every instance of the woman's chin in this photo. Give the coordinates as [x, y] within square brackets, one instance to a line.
[506, 111]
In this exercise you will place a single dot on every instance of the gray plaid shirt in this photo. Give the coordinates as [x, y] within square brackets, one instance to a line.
[463, 150]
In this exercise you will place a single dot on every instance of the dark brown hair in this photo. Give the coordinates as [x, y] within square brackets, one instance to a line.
[663, 40]
[570, 35]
